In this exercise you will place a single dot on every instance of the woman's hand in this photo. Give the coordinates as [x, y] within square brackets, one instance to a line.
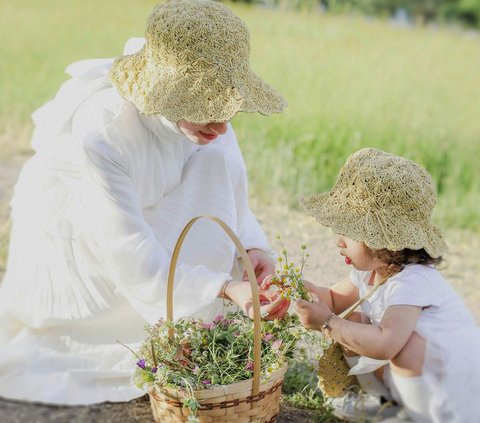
[262, 264]
[272, 306]
[312, 315]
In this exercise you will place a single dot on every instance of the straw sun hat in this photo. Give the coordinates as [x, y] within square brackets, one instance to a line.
[194, 66]
[383, 200]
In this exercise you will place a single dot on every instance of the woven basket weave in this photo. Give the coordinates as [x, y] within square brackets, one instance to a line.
[242, 402]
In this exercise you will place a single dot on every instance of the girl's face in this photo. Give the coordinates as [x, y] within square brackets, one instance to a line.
[202, 134]
[358, 254]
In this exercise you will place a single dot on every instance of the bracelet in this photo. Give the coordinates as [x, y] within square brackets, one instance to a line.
[224, 288]
[325, 324]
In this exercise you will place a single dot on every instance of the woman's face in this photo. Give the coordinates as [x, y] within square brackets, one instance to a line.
[202, 134]
[357, 254]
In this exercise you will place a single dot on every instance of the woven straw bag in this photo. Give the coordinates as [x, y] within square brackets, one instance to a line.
[242, 402]
[333, 377]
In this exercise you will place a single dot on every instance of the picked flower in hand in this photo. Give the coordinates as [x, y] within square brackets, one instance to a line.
[288, 278]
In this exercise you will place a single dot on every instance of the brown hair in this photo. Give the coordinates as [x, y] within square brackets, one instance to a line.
[397, 260]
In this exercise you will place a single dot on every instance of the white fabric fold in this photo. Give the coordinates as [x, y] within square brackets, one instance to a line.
[96, 214]
[450, 368]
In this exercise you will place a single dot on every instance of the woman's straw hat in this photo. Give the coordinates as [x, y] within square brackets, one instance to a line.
[383, 200]
[194, 66]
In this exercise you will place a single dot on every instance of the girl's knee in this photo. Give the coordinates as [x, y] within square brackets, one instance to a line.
[409, 361]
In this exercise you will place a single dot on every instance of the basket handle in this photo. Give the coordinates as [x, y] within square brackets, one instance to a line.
[253, 284]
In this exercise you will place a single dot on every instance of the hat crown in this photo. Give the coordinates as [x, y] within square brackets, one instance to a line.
[197, 34]
[378, 182]
[382, 200]
[194, 66]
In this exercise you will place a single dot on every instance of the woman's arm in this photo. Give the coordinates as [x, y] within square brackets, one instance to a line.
[274, 306]
[134, 258]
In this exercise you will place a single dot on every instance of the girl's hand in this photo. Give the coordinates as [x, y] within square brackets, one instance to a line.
[312, 315]
[314, 290]
[262, 264]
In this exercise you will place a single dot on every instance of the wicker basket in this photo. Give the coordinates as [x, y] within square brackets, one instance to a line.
[242, 402]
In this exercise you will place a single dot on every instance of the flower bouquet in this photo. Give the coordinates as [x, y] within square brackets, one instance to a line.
[288, 279]
[228, 370]
[204, 357]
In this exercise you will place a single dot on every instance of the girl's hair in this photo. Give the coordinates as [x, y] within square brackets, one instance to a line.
[396, 260]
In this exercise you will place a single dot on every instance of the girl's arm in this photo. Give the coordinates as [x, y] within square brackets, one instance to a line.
[337, 298]
[383, 341]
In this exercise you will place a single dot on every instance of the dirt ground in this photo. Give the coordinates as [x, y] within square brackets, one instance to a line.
[325, 267]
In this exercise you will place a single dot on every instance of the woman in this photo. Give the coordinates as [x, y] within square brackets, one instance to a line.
[125, 155]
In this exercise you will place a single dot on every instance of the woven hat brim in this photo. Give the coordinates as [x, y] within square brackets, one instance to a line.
[376, 230]
[197, 97]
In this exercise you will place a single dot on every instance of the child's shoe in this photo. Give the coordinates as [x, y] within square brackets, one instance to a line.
[357, 406]
[400, 417]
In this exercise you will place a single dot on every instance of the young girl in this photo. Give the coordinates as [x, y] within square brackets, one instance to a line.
[415, 333]
[128, 151]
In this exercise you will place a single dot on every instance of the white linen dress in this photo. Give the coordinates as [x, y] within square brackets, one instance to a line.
[96, 212]
[452, 358]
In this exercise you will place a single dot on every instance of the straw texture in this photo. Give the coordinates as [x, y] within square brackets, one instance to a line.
[231, 403]
[194, 66]
[383, 200]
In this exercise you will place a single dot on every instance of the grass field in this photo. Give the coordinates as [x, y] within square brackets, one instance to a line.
[350, 83]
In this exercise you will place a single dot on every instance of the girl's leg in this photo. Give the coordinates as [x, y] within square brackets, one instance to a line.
[408, 380]
[409, 361]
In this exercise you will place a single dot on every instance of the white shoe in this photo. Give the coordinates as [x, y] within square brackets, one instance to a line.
[400, 417]
[361, 407]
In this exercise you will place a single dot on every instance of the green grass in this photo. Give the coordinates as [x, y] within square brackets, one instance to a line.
[350, 83]
[300, 390]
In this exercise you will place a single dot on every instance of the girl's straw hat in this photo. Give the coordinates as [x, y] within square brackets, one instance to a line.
[383, 200]
[194, 66]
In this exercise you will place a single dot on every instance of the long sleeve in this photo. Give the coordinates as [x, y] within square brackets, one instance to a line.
[133, 256]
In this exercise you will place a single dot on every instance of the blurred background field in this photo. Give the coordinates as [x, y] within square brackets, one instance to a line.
[351, 81]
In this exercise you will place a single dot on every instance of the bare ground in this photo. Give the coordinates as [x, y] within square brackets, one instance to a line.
[295, 228]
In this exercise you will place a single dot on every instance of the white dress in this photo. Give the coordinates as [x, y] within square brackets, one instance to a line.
[452, 361]
[96, 213]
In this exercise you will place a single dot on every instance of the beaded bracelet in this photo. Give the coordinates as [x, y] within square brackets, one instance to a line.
[325, 324]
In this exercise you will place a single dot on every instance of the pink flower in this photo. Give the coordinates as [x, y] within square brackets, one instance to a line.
[208, 326]
[249, 366]
[267, 337]
[207, 382]
[276, 345]
[218, 318]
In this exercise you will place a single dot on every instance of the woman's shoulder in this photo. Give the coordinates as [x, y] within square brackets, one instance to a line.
[108, 124]
[97, 113]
